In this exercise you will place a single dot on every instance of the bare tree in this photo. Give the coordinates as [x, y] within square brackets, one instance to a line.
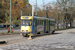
[67, 9]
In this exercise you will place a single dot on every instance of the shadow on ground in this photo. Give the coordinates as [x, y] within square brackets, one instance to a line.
[56, 33]
[3, 42]
[47, 34]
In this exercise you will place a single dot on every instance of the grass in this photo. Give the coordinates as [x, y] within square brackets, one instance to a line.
[64, 28]
[5, 33]
[7, 28]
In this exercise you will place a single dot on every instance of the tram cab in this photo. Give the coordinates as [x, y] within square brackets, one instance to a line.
[26, 25]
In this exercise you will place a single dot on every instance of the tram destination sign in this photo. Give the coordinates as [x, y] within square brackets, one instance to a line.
[26, 17]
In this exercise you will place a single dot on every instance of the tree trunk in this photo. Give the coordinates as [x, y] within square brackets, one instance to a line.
[70, 23]
[66, 24]
[6, 18]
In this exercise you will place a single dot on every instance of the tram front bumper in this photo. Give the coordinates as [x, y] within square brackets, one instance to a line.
[25, 33]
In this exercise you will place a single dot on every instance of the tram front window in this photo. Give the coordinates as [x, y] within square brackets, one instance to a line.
[26, 23]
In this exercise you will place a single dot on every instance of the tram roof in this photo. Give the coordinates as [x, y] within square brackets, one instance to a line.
[39, 17]
[52, 19]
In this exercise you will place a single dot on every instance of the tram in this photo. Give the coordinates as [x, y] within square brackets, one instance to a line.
[31, 26]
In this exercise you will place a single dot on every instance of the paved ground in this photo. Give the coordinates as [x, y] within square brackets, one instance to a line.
[61, 40]
[10, 37]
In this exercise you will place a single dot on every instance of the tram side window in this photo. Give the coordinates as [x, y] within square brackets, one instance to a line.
[40, 22]
[43, 22]
[37, 22]
[52, 22]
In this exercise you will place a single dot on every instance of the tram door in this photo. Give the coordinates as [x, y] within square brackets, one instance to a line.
[34, 26]
[45, 26]
[49, 26]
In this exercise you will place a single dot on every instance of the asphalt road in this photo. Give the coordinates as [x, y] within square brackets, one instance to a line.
[61, 40]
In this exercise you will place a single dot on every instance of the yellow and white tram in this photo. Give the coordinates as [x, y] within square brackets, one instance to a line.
[31, 26]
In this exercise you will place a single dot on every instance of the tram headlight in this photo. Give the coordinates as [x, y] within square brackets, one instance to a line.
[22, 30]
[26, 30]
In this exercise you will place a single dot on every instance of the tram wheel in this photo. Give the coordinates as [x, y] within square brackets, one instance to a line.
[25, 35]
[46, 31]
[53, 32]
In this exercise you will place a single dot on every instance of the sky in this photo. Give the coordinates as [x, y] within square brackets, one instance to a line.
[40, 2]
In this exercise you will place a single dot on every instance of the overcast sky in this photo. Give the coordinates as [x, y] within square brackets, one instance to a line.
[40, 2]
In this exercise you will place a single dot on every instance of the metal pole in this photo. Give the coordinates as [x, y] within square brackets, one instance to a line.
[36, 7]
[10, 13]
[57, 20]
[43, 8]
[47, 12]
[21, 13]
[32, 7]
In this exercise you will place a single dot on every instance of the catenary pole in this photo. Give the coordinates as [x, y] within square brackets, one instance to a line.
[10, 13]
[32, 7]
[36, 7]
[43, 8]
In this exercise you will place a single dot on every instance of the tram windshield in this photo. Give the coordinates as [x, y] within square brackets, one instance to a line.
[26, 22]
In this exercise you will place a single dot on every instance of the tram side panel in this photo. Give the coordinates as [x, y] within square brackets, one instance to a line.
[49, 26]
[40, 26]
[46, 25]
[52, 26]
